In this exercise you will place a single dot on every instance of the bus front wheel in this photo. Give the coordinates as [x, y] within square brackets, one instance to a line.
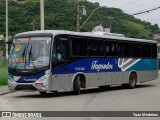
[77, 86]
[132, 81]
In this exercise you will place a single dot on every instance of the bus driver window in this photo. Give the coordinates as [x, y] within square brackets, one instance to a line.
[59, 53]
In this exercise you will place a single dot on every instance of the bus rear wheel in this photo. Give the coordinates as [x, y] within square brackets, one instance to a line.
[77, 86]
[132, 81]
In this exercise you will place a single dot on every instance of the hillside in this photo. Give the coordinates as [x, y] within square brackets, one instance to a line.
[61, 14]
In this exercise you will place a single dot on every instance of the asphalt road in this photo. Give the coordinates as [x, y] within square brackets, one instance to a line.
[146, 97]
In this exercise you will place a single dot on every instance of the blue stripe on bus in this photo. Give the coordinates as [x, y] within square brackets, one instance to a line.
[145, 64]
[92, 65]
[25, 79]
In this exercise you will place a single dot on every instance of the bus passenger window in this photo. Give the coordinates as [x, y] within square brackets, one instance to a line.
[154, 51]
[95, 47]
[147, 50]
[59, 53]
[111, 48]
[137, 50]
[124, 49]
[79, 46]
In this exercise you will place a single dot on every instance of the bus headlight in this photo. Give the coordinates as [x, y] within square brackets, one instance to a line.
[10, 79]
[16, 78]
[43, 78]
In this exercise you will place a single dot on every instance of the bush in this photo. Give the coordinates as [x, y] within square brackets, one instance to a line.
[3, 71]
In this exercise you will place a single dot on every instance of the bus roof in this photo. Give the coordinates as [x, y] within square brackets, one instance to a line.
[88, 34]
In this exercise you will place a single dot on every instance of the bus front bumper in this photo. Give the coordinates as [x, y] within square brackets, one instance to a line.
[14, 86]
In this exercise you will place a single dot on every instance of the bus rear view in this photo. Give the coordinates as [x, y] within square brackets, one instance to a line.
[29, 62]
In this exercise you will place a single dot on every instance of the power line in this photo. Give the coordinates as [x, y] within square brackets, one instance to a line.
[139, 6]
[146, 11]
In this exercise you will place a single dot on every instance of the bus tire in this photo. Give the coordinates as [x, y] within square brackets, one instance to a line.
[43, 93]
[132, 81]
[77, 86]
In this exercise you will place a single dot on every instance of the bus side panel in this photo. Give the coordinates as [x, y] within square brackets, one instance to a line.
[93, 79]
[125, 77]
[146, 70]
[104, 71]
[117, 78]
[143, 76]
[105, 78]
[62, 81]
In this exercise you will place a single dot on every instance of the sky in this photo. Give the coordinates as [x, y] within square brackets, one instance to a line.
[134, 6]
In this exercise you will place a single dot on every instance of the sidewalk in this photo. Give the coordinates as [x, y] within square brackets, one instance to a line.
[4, 90]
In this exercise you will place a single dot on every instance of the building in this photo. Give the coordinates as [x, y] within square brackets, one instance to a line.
[101, 29]
[156, 36]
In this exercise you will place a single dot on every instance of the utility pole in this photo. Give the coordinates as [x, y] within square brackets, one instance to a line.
[6, 29]
[42, 13]
[78, 16]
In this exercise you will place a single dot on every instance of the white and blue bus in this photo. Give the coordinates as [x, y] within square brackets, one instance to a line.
[51, 61]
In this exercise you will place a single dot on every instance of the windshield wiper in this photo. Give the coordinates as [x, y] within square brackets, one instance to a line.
[30, 56]
[30, 53]
[24, 52]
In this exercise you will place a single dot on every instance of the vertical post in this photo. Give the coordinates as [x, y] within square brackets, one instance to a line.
[6, 29]
[78, 16]
[33, 25]
[42, 13]
[110, 23]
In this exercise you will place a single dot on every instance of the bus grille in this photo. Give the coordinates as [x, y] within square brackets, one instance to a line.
[25, 87]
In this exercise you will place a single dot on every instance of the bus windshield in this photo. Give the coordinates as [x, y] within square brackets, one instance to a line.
[30, 53]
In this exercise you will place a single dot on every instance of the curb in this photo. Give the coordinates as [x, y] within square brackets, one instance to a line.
[5, 93]
[4, 90]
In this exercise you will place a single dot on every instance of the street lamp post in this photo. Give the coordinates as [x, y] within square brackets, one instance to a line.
[89, 16]
[6, 29]
[42, 13]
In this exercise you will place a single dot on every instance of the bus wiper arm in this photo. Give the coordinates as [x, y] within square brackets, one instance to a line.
[30, 53]
[24, 52]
